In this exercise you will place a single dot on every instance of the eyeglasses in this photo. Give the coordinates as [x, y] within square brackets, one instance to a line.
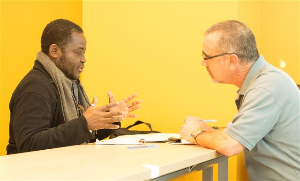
[210, 57]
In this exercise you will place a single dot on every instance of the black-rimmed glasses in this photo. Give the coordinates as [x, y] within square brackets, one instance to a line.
[210, 57]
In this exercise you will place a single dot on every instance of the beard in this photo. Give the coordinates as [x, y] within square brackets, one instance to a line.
[67, 68]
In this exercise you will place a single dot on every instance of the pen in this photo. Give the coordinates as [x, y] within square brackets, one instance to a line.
[196, 118]
[144, 146]
[210, 120]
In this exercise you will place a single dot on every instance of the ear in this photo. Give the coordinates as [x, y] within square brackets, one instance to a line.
[54, 51]
[233, 62]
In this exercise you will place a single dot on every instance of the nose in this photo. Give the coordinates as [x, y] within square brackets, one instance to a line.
[203, 63]
[83, 60]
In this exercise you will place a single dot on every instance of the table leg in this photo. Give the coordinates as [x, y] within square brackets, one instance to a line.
[223, 170]
[207, 174]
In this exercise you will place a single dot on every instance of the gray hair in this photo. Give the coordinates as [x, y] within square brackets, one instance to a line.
[235, 38]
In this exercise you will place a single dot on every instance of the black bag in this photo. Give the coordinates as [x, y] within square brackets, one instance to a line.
[126, 131]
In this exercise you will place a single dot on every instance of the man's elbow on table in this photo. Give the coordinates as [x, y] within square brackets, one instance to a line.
[229, 147]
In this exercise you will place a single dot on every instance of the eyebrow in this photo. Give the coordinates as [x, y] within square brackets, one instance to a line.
[81, 48]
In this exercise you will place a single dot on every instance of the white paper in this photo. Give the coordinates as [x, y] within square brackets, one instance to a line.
[120, 141]
[183, 142]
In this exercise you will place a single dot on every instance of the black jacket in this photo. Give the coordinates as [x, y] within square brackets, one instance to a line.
[36, 118]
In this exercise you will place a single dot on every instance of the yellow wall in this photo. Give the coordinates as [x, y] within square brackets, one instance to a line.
[280, 35]
[276, 27]
[22, 23]
[150, 47]
[1, 122]
[154, 49]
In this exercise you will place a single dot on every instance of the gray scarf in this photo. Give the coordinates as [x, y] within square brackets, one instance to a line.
[64, 87]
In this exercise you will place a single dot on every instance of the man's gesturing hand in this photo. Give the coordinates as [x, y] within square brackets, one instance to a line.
[98, 118]
[125, 106]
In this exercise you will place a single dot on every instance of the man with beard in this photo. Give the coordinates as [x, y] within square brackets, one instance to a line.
[49, 108]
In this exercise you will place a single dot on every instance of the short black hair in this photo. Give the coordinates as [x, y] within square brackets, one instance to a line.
[58, 32]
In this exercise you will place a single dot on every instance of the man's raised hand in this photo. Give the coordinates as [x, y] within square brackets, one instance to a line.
[126, 106]
[99, 118]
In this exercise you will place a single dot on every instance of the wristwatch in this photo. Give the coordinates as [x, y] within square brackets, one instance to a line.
[195, 133]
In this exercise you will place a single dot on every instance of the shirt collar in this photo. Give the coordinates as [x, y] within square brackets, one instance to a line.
[252, 74]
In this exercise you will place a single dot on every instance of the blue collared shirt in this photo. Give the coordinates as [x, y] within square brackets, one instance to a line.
[268, 123]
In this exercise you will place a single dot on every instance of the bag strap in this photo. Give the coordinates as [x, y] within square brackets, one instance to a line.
[139, 122]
